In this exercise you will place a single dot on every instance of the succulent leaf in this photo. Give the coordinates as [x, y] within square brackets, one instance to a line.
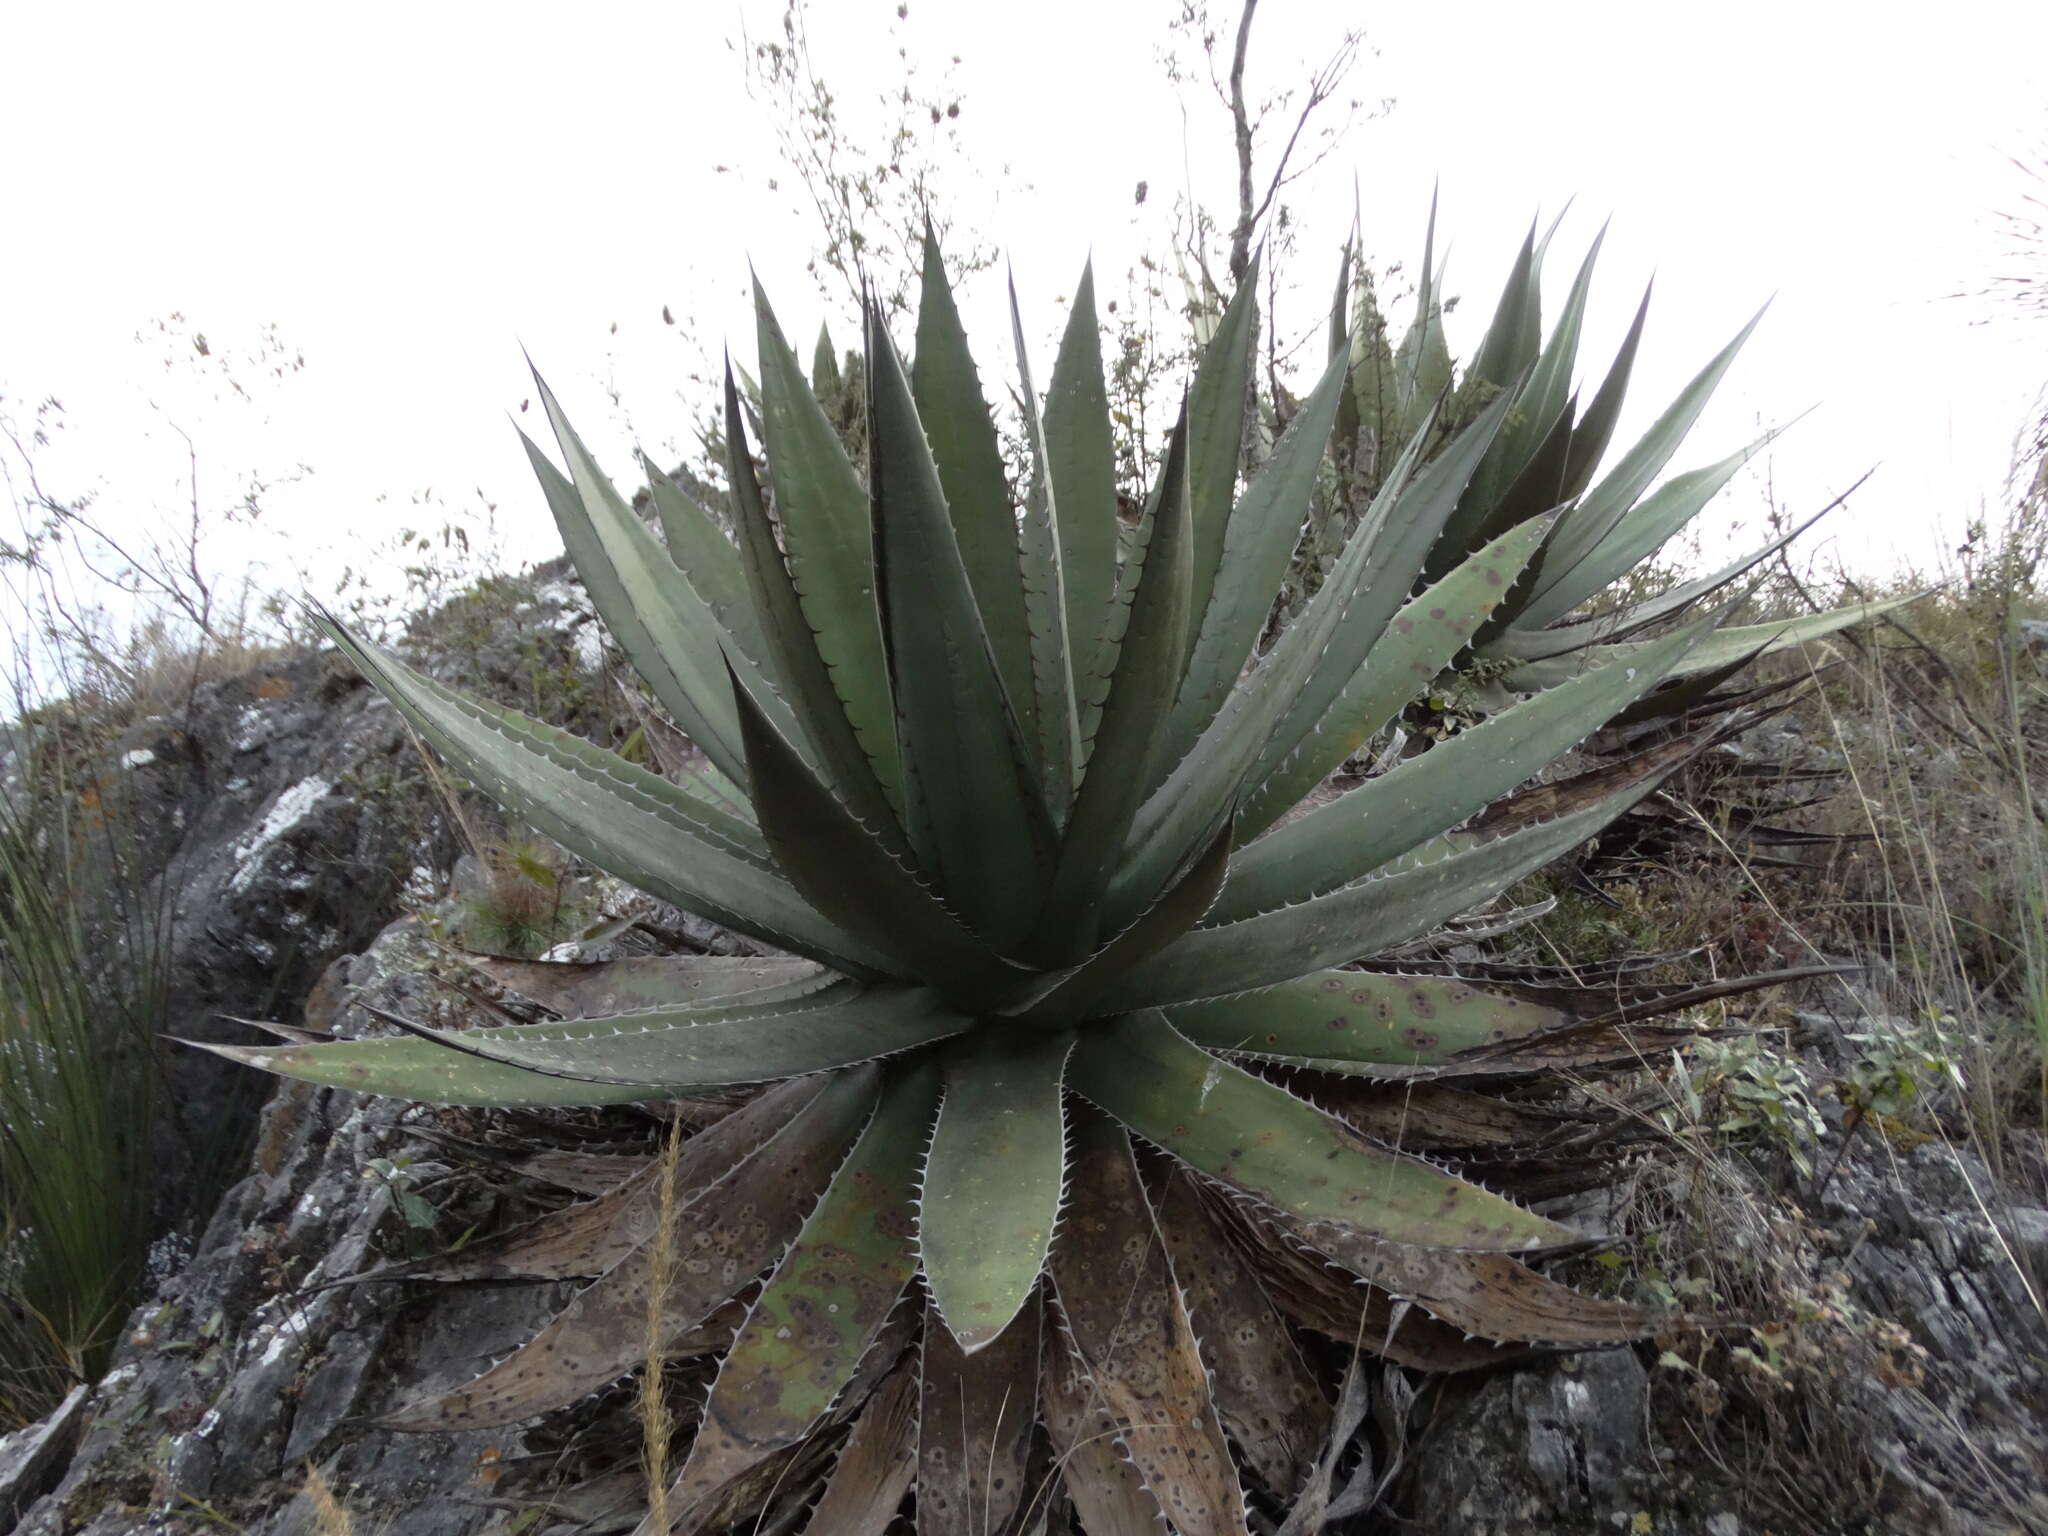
[1081, 461]
[1257, 1138]
[992, 1180]
[976, 817]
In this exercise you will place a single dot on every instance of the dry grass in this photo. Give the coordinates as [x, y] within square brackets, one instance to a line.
[657, 1425]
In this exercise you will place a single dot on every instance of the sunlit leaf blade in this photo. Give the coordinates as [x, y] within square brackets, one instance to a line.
[993, 1178]
[974, 1429]
[1363, 918]
[821, 509]
[1260, 536]
[1430, 793]
[1132, 1330]
[627, 821]
[732, 1232]
[1418, 643]
[877, 1465]
[827, 1300]
[1216, 405]
[1260, 1139]
[702, 1047]
[1082, 461]
[947, 390]
[408, 1068]
[976, 817]
[1128, 737]
[1266, 1393]
[1422, 365]
[1046, 604]
[850, 874]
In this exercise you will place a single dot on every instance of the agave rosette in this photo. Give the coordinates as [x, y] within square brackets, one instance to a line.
[1063, 1064]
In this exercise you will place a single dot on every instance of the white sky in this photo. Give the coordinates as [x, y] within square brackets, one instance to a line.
[408, 192]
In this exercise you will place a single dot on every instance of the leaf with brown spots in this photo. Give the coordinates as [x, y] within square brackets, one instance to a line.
[1106, 1490]
[825, 1304]
[1132, 1329]
[974, 1431]
[1265, 1391]
[733, 1232]
[1258, 1138]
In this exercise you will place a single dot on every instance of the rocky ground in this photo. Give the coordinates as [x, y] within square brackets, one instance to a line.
[1909, 1393]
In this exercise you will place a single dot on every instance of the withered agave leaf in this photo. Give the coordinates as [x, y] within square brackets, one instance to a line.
[975, 1426]
[878, 1463]
[1131, 1328]
[728, 1237]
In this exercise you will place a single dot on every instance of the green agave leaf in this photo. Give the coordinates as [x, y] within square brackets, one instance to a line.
[1430, 793]
[1719, 649]
[1422, 366]
[1644, 530]
[727, 1236]
[1374, 387]
[1593, 517]
[722, 1043]
[632, 823]
[1261, 1140]
[993, 1178]
[1046, 604]
[1546, 396]
[1206, 783]
[701, 551]
[975, 1429]
[582, 991]
[1070, 994]
[825, 377]
[667, 630]
[849, 873]
[976, 817]
[819, 732]
[1348, 618]
[1509, 345]
[826, 1303]
[1131, 1326]
[1596, 428]
[1215, 427]
[407, 1068]
[1363, 918]
[1081, 460]
[1363, 1017]
[947, 390]
[1418, 644]
[822, 510]
[1129, 733]
[1257, 541]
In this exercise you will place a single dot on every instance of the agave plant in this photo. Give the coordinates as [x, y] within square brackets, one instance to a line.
[1063, 1089]
[1570, 606]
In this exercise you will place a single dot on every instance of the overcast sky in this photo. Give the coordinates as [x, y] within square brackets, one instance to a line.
[409, 192]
